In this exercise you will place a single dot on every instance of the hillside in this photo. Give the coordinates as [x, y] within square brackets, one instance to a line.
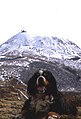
[22, 44]
[12, 100]
[22, 55]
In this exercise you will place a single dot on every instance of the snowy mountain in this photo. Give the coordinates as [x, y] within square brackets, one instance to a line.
[22, 43]
[22, 55]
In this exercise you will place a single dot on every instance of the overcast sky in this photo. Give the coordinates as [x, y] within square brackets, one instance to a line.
[60, 18]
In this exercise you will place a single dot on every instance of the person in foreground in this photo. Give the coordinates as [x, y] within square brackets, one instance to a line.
[45, 101]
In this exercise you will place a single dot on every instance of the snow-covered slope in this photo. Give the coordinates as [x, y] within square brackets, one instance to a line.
[22, 43]
[22, 55]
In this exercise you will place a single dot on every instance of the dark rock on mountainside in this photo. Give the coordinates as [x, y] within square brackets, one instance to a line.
[68, 79]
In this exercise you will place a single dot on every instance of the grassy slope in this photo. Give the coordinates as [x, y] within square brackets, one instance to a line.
[11, 101]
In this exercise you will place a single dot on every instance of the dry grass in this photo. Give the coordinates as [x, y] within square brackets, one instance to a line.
[11, 101]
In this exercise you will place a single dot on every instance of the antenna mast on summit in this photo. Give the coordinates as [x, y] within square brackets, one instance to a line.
[23, 29]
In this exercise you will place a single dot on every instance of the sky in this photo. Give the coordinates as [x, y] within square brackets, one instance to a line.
[59, 18]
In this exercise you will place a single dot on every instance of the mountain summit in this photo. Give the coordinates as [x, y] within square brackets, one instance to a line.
[22, 44]
[22, 55]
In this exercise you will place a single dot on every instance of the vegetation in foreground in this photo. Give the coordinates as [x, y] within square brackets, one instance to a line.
[11, 99]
